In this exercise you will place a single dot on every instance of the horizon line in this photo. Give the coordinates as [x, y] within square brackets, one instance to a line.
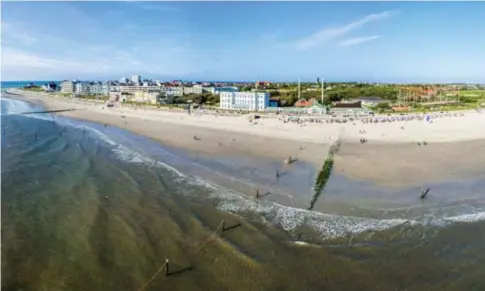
[267, 80]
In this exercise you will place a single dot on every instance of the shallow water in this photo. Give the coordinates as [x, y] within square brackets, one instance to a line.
[89, 207]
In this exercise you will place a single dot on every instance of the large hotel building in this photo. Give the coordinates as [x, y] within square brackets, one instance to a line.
[252, 101]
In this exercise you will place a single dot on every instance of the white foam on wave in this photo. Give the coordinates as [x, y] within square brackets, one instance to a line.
[329, 226]
[13, 106]
[124, 153]
[473, 217]
[289, 218]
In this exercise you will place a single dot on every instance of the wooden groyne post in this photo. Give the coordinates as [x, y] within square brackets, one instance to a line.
[167, 270]
[324, 174]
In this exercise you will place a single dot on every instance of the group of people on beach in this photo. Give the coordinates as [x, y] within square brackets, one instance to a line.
[366, 118]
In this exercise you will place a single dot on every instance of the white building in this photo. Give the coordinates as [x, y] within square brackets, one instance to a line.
[123, 80]
[67, 87]
[83, 88]
[136, 79]
[173, 91]
[252, 101]
[192, 90]
[96, 88]
[133, 89]
[148, 97]
[105, 88]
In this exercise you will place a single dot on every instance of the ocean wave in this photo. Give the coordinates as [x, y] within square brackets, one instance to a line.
[289, 218]
[329, 226]
[472, 217]
[13, 106]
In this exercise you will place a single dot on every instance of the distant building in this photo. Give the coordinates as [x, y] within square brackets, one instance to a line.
[369, 101]
[68, 87]
[252, 101]
[348, 104]
[148, 97]
[312, 106]
[82, 88]
[136, 79]
[219, 90]
[124, 80]
[106, 88]
[114, 96]
[50, 87]
[274, 102]
[96, 88]
[262, 84]
[302, 103]
[174, 91]
[133, 89]
[192, 90]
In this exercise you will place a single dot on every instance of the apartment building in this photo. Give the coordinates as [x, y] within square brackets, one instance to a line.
[82, 88]
[173, 91]
[136, 79]
[96, 88]
[133, 89]
[252, 101]
[192, 90]
[67, 87]
[153, 97]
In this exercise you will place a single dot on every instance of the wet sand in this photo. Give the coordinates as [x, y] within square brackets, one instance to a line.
[410, 165]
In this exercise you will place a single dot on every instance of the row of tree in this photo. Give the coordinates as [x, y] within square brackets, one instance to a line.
[204, 98]
[337, 94]
[288, 97]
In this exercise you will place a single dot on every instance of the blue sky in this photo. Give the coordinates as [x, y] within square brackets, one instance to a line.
[358, 41]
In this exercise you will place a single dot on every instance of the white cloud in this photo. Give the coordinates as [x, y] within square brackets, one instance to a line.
[357, 40]
[17, 32]
[328, 34]
[18, 59]
[54, 57]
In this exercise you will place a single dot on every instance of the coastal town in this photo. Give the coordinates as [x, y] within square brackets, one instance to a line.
[315, 98]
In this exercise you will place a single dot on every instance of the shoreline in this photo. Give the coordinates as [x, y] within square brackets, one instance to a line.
[391, 158]
[245, 165]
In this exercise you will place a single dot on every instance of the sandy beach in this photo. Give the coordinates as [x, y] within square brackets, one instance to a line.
[390, 158]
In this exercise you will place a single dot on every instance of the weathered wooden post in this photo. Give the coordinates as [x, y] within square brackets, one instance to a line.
[223, 225]
[167, 271]
[424, 193]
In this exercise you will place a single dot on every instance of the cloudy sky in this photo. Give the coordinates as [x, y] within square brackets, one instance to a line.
[368, 41]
